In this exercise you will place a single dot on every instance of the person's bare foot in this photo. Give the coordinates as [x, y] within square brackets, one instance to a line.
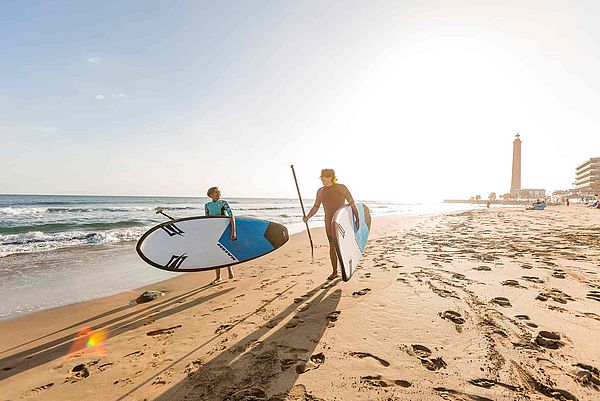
[217, 281]
[332, 276]
[231, 275]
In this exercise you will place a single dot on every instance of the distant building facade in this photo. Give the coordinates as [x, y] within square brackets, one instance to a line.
[587, 177]
[530, 194]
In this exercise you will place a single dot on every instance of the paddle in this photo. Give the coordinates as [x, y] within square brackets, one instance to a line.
[159, 210]
[312, 250]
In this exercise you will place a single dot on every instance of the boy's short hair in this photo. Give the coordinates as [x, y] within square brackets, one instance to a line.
[211, 190]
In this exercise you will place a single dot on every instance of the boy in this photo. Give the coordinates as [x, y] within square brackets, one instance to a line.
[220, 207]
[333, 197]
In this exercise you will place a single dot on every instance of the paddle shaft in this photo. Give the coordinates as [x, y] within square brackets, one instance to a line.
[312, 250]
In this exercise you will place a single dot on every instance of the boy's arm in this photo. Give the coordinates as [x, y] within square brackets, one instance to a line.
[315, 207]
[233, 233]
[231, 219]
[206, 210]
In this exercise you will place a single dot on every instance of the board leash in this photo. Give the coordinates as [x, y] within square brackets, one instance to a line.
[312, 248]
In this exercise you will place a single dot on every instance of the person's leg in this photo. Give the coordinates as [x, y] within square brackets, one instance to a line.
[333, 257]
[218, 276]
[332, 252]
[230, 270]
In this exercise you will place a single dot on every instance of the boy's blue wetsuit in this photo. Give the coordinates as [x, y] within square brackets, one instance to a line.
[217, 208]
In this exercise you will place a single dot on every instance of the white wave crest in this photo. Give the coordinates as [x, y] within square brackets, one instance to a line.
[19, 211]
[36, 241]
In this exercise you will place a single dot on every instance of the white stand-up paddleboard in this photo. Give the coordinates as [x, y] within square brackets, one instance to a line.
[204, 243]
[350, 242]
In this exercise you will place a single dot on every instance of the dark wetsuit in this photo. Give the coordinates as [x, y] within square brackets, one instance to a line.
[333, 198]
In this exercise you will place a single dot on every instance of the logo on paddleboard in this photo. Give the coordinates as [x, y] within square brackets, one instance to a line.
[341, 230]
[176, 261]
[172, 230]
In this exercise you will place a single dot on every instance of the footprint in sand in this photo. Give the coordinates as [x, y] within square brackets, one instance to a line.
[78, 372]
[362, 355]
[488, 383]
[36, 391]
[167, 331]
[595, 295]
[549, 339]
[313, 363]
[364, 291]
[379, 381]
[589, 376]
[559, 274]
[502, 302]
[533, 279]
[193, 366]
[333, 316]
[526, 266]
[135, 353]
[458, 395]
[423, 353]
[293, 323]
[483, 268]
[221, 329]
[556, 295]
[512, 283]
[452, 316]
[104, 366]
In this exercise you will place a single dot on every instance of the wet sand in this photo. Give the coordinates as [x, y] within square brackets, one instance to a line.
[498, 304]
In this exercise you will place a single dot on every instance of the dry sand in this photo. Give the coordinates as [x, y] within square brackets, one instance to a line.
[445, 307]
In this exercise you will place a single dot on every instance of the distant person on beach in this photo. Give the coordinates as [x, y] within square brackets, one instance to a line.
[333, 196]
[487, 204]
[220, 207]
[567, 201]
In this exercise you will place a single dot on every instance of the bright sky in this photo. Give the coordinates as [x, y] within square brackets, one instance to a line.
[407, 100]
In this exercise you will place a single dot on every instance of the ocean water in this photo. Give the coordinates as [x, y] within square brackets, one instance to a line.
[36, 223]
[59, 250]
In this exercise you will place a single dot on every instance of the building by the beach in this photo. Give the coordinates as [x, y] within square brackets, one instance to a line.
[587, 177]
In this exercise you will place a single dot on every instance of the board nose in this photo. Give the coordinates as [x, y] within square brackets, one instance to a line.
[276, 234]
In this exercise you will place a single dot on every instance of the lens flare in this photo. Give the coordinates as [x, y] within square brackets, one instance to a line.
[89, 342]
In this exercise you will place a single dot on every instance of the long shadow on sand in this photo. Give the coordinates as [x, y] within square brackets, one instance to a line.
[58, 348]
[102, 315]
[255, 365]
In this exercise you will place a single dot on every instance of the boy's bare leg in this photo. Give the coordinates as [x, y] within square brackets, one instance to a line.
[218, 276]
[230, 270]
[333, 257]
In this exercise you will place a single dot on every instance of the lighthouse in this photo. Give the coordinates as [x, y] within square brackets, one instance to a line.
[515, 183]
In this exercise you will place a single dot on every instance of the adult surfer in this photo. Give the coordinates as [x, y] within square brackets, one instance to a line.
[333, 196]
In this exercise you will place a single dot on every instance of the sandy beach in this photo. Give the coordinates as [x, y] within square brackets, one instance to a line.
[498, 304]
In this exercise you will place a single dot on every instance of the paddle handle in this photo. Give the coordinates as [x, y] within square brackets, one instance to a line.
[312, 248]
[159, 211]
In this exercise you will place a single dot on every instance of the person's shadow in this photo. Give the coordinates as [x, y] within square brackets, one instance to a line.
[58, 348]
[256, 366]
